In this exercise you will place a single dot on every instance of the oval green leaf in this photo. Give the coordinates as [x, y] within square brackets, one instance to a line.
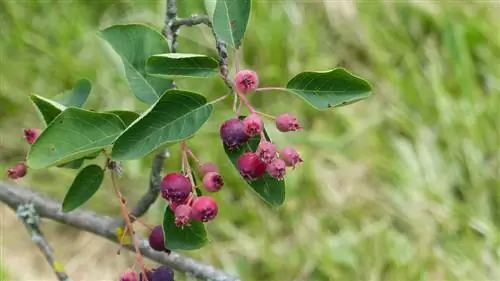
[73, 134]
[127, 117]
[84, 186]
[230, 19]
[135, 43]
[184, 65]
[271, 190]
[77, 96]
[190, 237]
[176, 116]
[47, 109]
[76, 164]
[329, 89]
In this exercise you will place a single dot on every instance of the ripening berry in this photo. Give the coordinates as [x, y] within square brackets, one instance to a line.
[277, 169]
[175, 187]
[250, 166]
[266, 151]
[213, 181]
[18, 171]
[246, 81]
[233, 133]
[182, 215]
[30, 135]
[204, 209]
[162, 273]
[253, 125]
[286, 122]
[129, 275]
[290, 156]
[157, 239]
[208, 167]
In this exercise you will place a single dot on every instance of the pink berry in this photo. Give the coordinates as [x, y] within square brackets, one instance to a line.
[208, 167]
[277, 169]
[286, 122]
[253, 125]
[175, 187]
[204, 209]
[250, 166]
[233, 133]
[30, 135]
[182, 215]
[129, 275]
[246, 81]
[266, 151]
[157, 239]
[290, 156]
[213, 181]
[18, 171]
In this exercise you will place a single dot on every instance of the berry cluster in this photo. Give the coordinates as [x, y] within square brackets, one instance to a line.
[161, 273]
[20, 169]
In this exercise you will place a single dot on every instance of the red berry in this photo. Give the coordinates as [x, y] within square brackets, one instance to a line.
[277, 169]
[18, 171]
[286, 122]
[266, 151]
[30, 135]
[129, 275]
[208, 167]
[233, 133]
[246, 81]
[290, 156]
[213, 181]
[175, 187]
[182, 215]
[250, 166]
[253, 125]
[157, 239]
[204, 209]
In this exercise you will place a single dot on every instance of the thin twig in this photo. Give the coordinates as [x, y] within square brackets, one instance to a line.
[31, 220]
[168, 32]
[191, 21]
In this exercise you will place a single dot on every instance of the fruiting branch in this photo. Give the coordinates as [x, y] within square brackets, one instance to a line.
[105, 226]
[31, 220]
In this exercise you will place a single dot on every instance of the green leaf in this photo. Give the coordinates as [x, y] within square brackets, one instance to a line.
[271, 190]
[187, 65]
[73, 134]
[77, 96]
[135, 43]
[85, 185]
[328, 89]
[190, 237]
[76, 164]
[46, 108]
[127, 117]
[230, 19]
[176, 116]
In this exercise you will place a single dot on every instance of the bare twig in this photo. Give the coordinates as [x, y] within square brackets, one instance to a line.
[106, 227]
[191, 21]
[168, 31]
[28, 215]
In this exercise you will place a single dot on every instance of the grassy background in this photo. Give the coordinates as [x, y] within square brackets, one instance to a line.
[403, 186]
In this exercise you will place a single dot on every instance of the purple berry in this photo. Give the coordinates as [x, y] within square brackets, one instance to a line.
[30, 135]
[157, 239]
[182, 215]
[246, 81]
[266, 151]
[286, 122]
[18, 171]
[204, 209]
[213, 181]
[253, 125]
[175, 187]
[208, 167]
[149, 275]
[290, 156]
[162, 273]
[233, 133]
[250, 166]
[277, 169]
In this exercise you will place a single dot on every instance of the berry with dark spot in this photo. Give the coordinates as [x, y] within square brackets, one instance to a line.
[18, 171]
[246, 81]
[266, 151]
[129, 275]
[204, 209]
[277, 169]
[290, 156]
[30, 135]
[208, 167]
[175, 187]
[182, 215]
[286, 122]
[213, 181]
[253, 125]
[157, 239]
[250, 166]
[162, 273]
[233, 134]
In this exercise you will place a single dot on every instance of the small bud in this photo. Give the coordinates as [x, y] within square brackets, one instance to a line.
[182, 215]
[18, 171]
[129, 275]
[250, 166]
[175, 187]
[286, 122]
[30, 135]
[277, 169]
[213, 181]
[162, 273]
[204, 209]
[253, 125]
[208, 167]
[266, 151]
[246, 81]
[290, 156]
[232, 133]
[157, 239]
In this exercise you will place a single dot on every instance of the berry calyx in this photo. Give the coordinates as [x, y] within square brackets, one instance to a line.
[233, 134]
[30, 135]
[253, 125]
[246, 81]
[250, 166]
[162, 273]
[129, 275]
[204, 209]
[277, 169]
[157, 239]
[290, 156]
[175, 187]
[208, 167]
[266, 151]
[286, 122]
[182, 215]
[213, 181]
[18, 171]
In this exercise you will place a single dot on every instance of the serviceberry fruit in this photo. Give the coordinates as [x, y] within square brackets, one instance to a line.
[253, 125]
[162, 273]
[246, 81]
[204, 209]
[129, 275]
[250, 166]
[175, 187]
[286, 122]
[149, 275]
[266, 151]
[182, 215]
[157, 239]
[208, 167]
[18, 171]
[290, 156]
[30, 135]
[213, 181]
[277, 169]
[233, 134]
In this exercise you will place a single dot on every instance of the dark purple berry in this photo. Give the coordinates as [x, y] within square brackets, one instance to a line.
[277, 169]
[157, 239]
[233, 133]
[287, 123]
[266, 151]
[162, 273]
[182, 215]
[204, 209]
[175, 187]
[250, 166]
[18, 171]
[213, 181]
[253, 125]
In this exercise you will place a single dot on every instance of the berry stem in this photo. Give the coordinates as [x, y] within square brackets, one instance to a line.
[184, 148]
[219, 99]
[190, 152]
[246, 102]
[270, 89]
[143, 223]
[265, 115]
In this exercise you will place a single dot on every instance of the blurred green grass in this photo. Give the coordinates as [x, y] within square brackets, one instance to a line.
[402, 186]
